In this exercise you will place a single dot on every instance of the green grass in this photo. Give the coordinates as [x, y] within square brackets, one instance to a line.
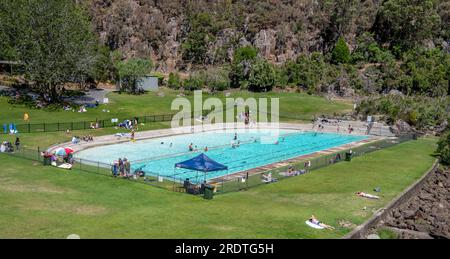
[385, 233]
[43, 202]
[294, 106]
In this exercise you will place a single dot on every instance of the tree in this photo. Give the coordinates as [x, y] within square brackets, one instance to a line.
[429, 71]
[341, 52]
[243, 60]
[262, 77]
[130, 71]
[406, 23]
[53, 41]
[195, 46]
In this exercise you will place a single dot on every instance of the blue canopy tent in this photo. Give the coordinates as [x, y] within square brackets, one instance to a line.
[202, 163]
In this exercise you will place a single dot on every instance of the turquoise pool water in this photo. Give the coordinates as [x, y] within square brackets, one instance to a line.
[158, 156]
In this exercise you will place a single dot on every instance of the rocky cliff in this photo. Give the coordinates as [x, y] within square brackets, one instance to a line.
[280, 29]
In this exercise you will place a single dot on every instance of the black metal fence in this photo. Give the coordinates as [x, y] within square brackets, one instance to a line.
[228, 182]
[245, 180]
[82, 125]
[88, 166]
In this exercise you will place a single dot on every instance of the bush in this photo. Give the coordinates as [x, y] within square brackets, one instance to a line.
[443, 149]
[196, 81]
[368, 50]
[341, 52]
[262, 77]
[174, 81]
[245, 53]
[419, 111]
[217, 79]
[244, 59]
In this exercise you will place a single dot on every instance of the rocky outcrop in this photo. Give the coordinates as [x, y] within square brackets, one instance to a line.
[280, 30]
[265, 42]
[426, 212]
[401, 127]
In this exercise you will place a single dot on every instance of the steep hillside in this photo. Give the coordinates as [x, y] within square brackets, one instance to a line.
[212, 29]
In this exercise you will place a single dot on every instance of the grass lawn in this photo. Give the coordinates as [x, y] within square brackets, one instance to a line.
[44, 202]
[295, 106]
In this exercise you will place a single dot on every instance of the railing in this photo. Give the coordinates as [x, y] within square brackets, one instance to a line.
[224, 183]
[247, 179]
[80, 125]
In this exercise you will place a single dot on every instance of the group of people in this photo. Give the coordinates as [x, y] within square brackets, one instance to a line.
[7, 147]
[194, 188]
[95, 125]
[320, 122]
[122, 168]
[88, 138]
[267, 178]
[130, 124]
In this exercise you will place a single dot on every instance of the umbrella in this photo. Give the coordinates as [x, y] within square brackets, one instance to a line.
[61, 152]
[69, 150]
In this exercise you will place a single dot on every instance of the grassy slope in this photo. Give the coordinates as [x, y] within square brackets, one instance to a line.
[125, 106]
[46, 202]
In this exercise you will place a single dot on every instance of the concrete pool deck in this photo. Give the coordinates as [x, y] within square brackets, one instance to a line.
[144, 135]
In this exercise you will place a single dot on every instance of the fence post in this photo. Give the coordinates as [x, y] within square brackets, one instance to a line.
[44, 127]
[29, 128]
[58, 127]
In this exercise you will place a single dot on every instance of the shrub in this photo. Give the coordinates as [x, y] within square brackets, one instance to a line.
[341, 52]
[217, 79]
[443, 148]
[262, 77]
[196, 81]
[174, 81]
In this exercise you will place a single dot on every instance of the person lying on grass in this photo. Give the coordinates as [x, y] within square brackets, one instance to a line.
[315, 221]
[366, 195]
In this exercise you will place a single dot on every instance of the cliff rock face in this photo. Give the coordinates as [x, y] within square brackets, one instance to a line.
[280, 30]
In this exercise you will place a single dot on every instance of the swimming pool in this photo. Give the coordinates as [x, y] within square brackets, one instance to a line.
[159, 155]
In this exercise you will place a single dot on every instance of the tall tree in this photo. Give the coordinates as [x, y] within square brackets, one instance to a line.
[54, 42]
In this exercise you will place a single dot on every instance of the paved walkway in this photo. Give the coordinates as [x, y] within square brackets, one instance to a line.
[113, 139]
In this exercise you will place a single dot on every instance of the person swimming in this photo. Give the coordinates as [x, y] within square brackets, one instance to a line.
[191, 147]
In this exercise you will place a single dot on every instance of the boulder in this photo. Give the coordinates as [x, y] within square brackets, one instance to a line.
[401, 127]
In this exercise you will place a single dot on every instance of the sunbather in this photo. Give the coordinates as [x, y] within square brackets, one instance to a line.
[366, 195]
[315, 221]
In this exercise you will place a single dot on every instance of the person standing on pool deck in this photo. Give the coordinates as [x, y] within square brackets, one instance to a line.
[132, 135]
[17, 144]
[127, 167]
[121, 169]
